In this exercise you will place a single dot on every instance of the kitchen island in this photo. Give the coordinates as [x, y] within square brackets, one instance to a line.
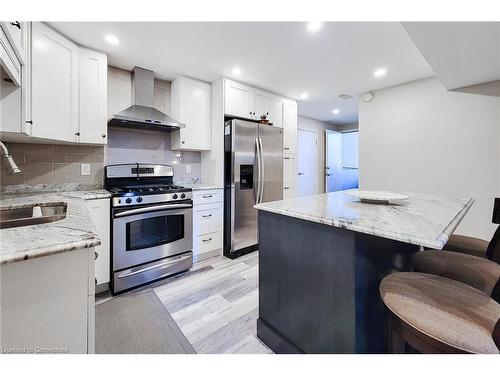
[322, 258]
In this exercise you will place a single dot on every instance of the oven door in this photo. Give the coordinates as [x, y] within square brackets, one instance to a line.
[146, 234]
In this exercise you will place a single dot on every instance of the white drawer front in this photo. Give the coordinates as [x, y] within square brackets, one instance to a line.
[207, 242]
[207, 218]
[207, 196]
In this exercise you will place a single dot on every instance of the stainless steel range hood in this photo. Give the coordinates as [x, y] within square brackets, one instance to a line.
[141, 114]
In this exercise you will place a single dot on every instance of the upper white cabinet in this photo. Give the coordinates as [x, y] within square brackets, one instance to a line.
[13, 45]
[191, 102]
[239, 100]
[63, 87]
[54, 85]
[248, 102]
[92, 87]
[16, 32]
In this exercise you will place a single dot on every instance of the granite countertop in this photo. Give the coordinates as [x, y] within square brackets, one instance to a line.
[424, 219]
[196, 187]
[76, 231]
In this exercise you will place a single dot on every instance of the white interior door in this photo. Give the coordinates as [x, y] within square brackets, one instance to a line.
[333, 161]
[307, 156]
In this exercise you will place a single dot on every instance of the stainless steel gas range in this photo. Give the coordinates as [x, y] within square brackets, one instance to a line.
[152, 224]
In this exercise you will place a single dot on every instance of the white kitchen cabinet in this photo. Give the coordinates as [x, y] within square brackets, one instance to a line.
[289, 189]
[239, 100]
[276, 112]
[262, 104]
[92, 87]
[13, 46]
[16, 32]
[46, 304]
[191, 102]
[54, 85]
[99, 212]
[290, 127]
[207, 223]
[16, 101]
[289, 167]
[269, 105]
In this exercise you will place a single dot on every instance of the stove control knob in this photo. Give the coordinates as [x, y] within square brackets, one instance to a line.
[174, 196]
[139, 200]
[183, 195]
[128, 200]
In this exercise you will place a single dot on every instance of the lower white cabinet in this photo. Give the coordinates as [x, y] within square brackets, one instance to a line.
[47, 304]
[207, 223]
[99, 212]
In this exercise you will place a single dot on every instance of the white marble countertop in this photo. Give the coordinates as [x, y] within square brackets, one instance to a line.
[424, 219]
[76, 231]
[201, 186]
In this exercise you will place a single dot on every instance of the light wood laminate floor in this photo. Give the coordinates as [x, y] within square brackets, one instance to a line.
[215, 304]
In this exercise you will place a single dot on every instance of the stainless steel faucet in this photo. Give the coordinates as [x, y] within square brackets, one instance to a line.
[9, 162]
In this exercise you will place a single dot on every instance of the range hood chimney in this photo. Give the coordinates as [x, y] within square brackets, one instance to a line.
[141, 114]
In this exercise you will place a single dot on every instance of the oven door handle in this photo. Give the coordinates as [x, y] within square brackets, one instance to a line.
[160, 265]
[153, 208]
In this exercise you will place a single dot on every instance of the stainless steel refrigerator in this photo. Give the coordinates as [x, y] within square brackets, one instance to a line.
[253, 173]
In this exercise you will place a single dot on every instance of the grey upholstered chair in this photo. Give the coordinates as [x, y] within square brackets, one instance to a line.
[475, 246]
[466, 260]
[434, 314]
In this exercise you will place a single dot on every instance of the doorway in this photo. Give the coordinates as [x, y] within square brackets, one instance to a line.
[341, 160]
[307, 153]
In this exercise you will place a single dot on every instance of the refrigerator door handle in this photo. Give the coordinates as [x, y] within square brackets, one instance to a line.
[261, 172]
[259, 166]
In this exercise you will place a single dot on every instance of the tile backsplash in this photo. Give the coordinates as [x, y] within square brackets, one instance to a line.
[53, 164]
[150, 146]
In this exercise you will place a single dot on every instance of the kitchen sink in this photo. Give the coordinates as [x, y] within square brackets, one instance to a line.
[33, 214]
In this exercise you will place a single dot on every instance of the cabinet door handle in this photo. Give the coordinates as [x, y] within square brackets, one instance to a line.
[103, 135]
[183, 142]
[16, 24]
[209, 215]
[207, 196]
[77, 134]
[29, 122]
[96, 255]
[301, 173]
[210, 239]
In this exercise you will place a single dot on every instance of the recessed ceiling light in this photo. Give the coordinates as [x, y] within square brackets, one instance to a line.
[380, 72]
[304, 96]
[111, 39]
[336, 111]
[236, 72]
[313, 26]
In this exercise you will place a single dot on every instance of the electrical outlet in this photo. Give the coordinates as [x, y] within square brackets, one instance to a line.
[188, 168]
[85, 169]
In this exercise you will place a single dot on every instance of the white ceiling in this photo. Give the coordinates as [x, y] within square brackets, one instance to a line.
[279, 56]
[460, 53]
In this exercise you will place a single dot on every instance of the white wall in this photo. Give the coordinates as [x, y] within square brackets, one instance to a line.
[319, 127]
[419, 137]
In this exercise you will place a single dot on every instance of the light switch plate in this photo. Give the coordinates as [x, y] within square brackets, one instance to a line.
[188, 168]
[85, 169]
